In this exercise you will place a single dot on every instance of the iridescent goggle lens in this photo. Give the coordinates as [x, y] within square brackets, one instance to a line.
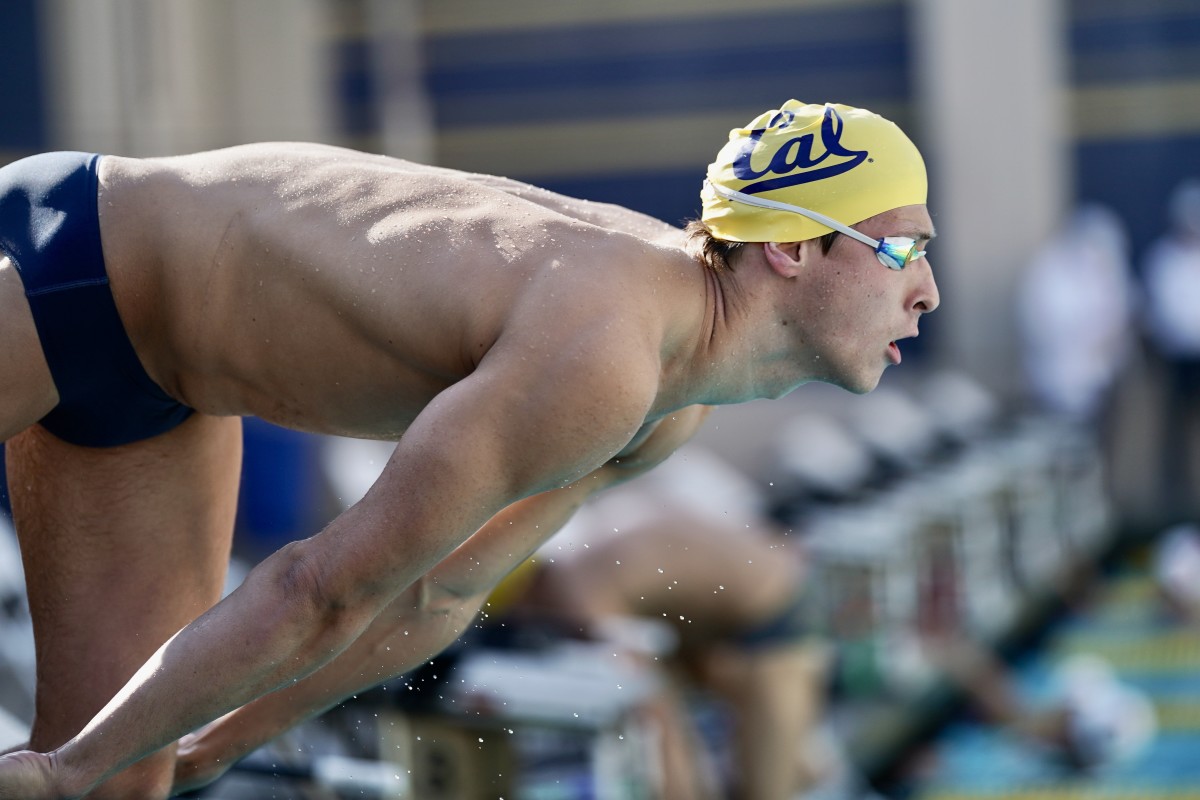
[894, 252]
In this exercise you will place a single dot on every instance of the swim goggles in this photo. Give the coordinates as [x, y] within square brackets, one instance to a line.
[894, 252]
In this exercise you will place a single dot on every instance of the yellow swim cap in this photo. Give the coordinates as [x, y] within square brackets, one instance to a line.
[841, 162]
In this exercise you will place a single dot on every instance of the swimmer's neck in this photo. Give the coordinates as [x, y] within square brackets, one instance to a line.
[737, 350]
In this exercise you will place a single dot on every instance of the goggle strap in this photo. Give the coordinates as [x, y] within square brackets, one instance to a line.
[764, 202]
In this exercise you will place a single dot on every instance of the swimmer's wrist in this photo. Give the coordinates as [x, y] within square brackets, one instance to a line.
[71, 778]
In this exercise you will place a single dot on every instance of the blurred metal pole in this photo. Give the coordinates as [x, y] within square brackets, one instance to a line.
[153, 77]
[405, 115]
[79, 39]
[991, 83]
[279, 88]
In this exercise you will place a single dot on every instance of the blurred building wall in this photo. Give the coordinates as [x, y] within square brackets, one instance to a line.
[627, 101]
[155, 77]
[1135, 105]
[377, 64]
[22, 81]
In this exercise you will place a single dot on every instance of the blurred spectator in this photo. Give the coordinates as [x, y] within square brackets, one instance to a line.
[729, 604]
[1089, 720]
[1172, 283]
[1075, 316]
[1176, 561]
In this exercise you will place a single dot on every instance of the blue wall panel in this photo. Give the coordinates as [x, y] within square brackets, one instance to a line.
[23, 124]
[1142, 46]
[1135, 177]
[630, 70]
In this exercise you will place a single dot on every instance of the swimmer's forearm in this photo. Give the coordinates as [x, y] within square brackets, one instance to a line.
[261, 637]
[421, 622]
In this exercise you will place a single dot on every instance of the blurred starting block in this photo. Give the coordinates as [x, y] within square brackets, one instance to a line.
[865, 589]
[958, 547]
[558, 722]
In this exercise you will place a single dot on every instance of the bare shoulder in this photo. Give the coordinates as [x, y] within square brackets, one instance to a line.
[598, 316]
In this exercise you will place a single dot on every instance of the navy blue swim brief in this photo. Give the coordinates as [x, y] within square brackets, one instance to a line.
[50, 229]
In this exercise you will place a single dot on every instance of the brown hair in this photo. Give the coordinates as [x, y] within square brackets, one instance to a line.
[719, 255]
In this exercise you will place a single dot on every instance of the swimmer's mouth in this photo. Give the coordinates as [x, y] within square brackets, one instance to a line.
[893, 349]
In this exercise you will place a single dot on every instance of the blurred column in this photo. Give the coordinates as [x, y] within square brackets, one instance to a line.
[80, 40]
[990, 95]
[279, 77]
[377, 75]
[151, 77]
[405, 115]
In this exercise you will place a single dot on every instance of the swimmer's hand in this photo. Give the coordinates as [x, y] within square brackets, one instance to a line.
[26, 775]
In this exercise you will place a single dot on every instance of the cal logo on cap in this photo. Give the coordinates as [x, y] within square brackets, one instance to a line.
[844, 162]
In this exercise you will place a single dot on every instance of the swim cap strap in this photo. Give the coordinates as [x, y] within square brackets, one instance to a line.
[763, 202]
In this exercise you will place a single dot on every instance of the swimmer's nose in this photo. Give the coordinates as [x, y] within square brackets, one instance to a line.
[926, 297]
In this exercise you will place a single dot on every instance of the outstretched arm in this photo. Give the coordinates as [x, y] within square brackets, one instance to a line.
[425, 618]
[421, 622]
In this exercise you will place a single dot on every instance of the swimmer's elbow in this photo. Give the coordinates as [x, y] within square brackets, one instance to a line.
[306, 586]
[303, 582]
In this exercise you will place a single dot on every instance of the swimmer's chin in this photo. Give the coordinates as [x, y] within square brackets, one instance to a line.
[861, 384]
[854, 387]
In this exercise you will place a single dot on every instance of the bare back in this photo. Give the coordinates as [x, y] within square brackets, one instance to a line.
[328, 290]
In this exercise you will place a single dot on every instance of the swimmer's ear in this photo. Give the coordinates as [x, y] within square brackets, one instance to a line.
[785, 258]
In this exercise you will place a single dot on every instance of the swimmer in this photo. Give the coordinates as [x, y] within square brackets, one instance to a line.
[733, 600]
[529, 349]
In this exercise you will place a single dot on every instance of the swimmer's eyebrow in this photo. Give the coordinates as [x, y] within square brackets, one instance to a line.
[928, 236]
